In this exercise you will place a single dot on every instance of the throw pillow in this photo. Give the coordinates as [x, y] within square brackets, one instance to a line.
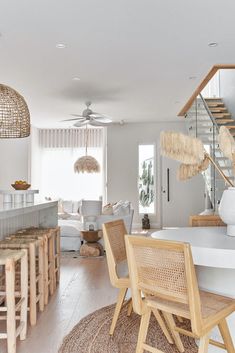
[107, 209]
[121, 208]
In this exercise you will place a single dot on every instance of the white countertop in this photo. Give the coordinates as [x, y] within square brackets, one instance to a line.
[210, 245]
[11, 209]
[13, 191]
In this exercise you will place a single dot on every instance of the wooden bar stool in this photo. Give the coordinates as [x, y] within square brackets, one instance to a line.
[53, 249]
[46, 273]
[8, 260]
[36, 281]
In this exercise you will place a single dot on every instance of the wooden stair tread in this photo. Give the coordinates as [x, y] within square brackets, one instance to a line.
[221, 115]
[225, 121]
[218, 110]
[212, 98]
[230, 127]
[215, 104]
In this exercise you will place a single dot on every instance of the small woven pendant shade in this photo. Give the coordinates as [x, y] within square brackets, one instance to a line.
[86, 164]
[14, 114]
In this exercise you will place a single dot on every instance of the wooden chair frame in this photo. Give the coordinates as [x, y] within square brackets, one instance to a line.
[201, 326]
[35, 296]
[121, 283]
[9, 259]
[114, 257]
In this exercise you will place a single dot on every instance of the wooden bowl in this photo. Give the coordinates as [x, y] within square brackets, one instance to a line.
[20, 186]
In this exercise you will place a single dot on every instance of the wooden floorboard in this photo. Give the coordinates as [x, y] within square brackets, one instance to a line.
[84, 288]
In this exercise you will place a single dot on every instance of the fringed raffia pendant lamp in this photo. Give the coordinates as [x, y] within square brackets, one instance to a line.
[86, 164]
[14, 114]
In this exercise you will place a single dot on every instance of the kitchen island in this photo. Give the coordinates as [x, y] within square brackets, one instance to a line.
[17, 216]
[214, 257]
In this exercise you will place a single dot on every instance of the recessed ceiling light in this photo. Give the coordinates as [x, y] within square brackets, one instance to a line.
[60, 46]
[212, 44]
[192, 77]
[76, 79]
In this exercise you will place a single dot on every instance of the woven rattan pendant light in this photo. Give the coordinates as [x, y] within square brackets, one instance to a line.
[14, 114]
[86, 164]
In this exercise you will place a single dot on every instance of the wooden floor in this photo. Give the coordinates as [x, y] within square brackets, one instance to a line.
[84, 287]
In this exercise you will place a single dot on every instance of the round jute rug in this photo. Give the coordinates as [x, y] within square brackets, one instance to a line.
[91, 335]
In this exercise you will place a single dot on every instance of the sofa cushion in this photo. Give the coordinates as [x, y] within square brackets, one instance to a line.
[121, 208]
[107, 209]
[67, 206]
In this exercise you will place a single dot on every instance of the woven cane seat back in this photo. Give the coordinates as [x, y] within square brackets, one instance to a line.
[161, 272]
[115, 234]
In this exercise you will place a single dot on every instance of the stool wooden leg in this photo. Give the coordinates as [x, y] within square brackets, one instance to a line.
[41, 276]
[10, 295]
[51, 256]
[24, 294]
[162, 325]
[58, 255]
[46, 284]
[32, 285]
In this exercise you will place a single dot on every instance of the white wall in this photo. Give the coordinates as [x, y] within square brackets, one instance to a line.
[14, 156]
[122, 170]
[122, 173]
[227, 89]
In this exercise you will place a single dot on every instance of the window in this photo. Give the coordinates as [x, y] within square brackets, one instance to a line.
[58, 179]
[146, 179]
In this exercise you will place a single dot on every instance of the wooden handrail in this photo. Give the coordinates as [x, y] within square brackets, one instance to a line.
[204, 82]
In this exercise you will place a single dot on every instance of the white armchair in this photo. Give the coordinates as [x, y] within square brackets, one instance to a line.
[91, 212]
[71, 222]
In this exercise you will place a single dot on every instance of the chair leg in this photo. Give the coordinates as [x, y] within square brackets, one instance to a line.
[10, 295]
[32, 285]
[120, 300]
[204, 343]
[41, 277]
[224, 330]
[24, 294]
[162, 325]
[130, 307]
[171, 324]
[144, 324]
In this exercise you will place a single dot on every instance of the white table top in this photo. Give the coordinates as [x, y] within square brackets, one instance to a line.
[210, 245]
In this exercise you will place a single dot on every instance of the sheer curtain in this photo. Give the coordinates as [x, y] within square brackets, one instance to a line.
[59, 149]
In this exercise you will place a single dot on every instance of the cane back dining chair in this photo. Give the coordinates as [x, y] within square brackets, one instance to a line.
[114, 238]
[165, 272]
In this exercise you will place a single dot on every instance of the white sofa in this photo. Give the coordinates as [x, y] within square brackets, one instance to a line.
[71, 222]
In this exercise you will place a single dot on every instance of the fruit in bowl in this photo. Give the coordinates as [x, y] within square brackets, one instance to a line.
[20, 185]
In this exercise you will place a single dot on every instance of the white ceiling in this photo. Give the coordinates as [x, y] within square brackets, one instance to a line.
[133, 57]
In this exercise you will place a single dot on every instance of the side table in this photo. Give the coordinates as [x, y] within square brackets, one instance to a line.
[92, 247]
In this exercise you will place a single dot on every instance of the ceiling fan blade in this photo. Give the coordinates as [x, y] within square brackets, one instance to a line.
[81, 123]
[102, 120]
[78, 119]
[95, 122]
[79, 116]
[97, 115]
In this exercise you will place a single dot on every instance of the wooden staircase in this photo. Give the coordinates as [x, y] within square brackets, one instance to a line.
[220, 113]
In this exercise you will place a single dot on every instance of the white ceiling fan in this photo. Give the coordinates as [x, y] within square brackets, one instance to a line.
[90, 117]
